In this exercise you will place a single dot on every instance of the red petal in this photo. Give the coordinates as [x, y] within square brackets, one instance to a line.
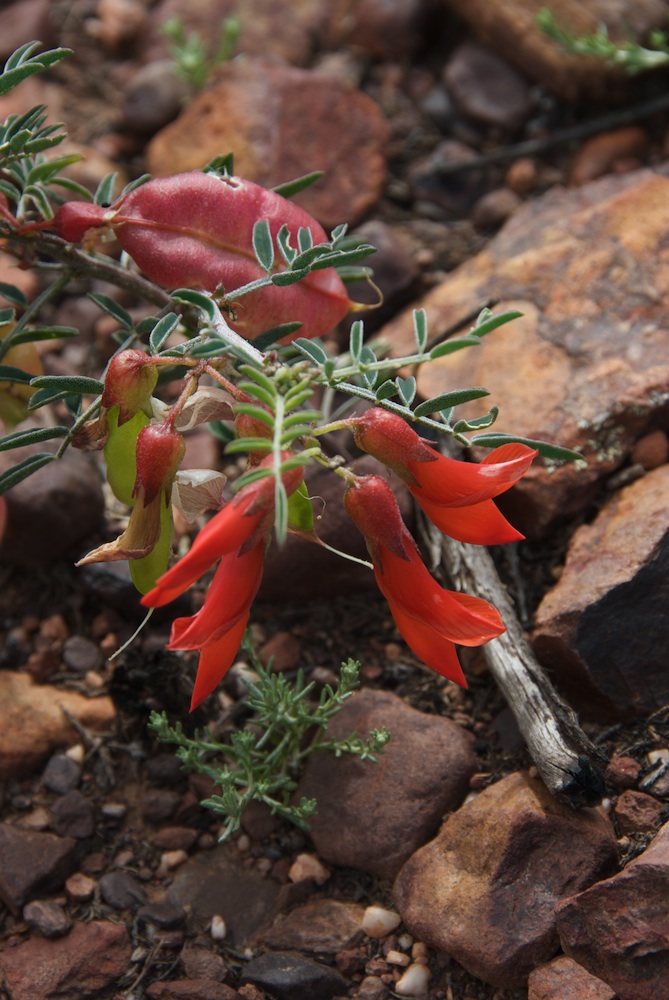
[480, 524]
[429, 646]
[215, 661]
[451, 483]
[229, 597]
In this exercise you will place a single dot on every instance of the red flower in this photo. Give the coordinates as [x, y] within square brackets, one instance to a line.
[456, 496]
[238, 534]
[429, 618]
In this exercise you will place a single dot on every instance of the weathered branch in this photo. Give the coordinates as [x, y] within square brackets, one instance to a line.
[568, 762]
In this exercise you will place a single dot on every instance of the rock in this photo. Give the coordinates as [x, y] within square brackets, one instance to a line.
[510, 27]
[322, 926]
[422, 774]
[651, 450]
[216, 883]
[202, 963]
[51, 511]
[159, 804]
[118, 23]
[377, 922]
[607, 152]
[623, 772]
[121, 890]
[89, 960]
[588, 364]
[73, 815]
[453, 194]
[32, 863]
[414, 982]
[80, 888]
[307, 867]
[81, 655]
[281, 652]
[290, 976]
[636, 812]
[494, 208]
[564, 979]
[21, 22]
[602, 628]
[167, 915]
[485, 889]
[389, 30]
[61, 774]
[191, 989]
[175, 838]
[47, 917]
[303, 571]
[617, 929]
[281, 121]
[486, 89]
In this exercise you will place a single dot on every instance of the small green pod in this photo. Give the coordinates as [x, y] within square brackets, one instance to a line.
[120, 453]
[145, 572]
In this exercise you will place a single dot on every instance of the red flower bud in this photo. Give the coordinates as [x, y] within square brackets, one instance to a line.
[129, 383]
[159, 452]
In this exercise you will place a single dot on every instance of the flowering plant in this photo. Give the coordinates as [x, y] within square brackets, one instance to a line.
[245, 284]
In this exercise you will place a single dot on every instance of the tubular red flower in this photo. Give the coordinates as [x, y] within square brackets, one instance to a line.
[429, 618]
[238, 534]
[456, 496]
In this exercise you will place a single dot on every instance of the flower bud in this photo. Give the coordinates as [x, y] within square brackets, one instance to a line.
[159, 452]
[130, 380]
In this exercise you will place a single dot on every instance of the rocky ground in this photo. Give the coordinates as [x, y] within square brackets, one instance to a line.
[446, 870]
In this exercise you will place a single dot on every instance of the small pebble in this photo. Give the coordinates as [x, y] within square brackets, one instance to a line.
[377, 921]
[77, 753]
[81, 655]
[61, 774]
[47, 917]
[38, 819]
[114, 810]
[243, 843]
[80, 888]
[414, 982]
[419, 952]
[218, 928]
[308, 866]
[397, 958]
[172, 859]
[405, 941]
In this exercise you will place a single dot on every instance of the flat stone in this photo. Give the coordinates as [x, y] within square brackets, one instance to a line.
[618, 929]
[80, 966]
[47, 917]
[32, 723]
[121, 890]
[73, 815]
[510, 27]
[603, 153]
[486, 88]
[603, 630]
[278, 118]
[636, 812]
[290, 976]
[321, 926]
[587, 366]
[191, 989]
[485, 889]
[565, 979]
[423, 774]
[215, 883]
[32, 863]
[61, 774]
[202, 963]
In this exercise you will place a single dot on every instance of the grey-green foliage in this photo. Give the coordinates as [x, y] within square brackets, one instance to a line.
[629, 55]
[262, 762]
[194, 59]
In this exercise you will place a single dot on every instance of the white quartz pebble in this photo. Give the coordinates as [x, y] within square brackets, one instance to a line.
[377, 922]
[218, 930]
[414, 982]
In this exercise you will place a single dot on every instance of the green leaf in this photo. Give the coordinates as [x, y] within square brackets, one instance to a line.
[343, 258]
[35, 334]
[248, 444]
[224, 165]
[161, 331]
[7, 316]
[356, 336]
[199, 300]
[448, 399]
[8, 373]
[262, 245]
[42, 173]
[546, 450]
[386, 390]
[487, 322]
[274, 334]
[406, 388]
[420, 328]
[257, 412]
[69, 383]
[284, 278]
[450, 346]
[24, 469]
[17, 69]
[221, 430]
[283, 240]
[311, 349]
[12, 294]
[112, 309]
[20, 438]
[291, 188]
[104, 194]
[471, 425]
[300, 510]
[305, 240]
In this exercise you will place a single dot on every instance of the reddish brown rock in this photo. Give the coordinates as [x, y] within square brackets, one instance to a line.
[280, 122]
[636, 812]
[89, 960]
[588, 364]
[485, 889]
[32, 723]
[564, 979]
[651, 450]
[202, 963]
[423, 774]
[487, 89]
[322, 926]
[191, 989]
[379, 28]
[623, 772]
[512, 29]
[32, 863]
[603, 628]
[607, 152]
[619, 929]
